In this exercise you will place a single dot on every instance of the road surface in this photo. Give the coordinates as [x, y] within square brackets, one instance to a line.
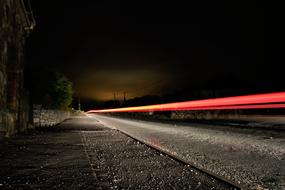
[81, 153]
[254, 158]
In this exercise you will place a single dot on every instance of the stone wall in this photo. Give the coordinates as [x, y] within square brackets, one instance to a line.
[15, 25]
[207, 115]
[196, 115]
[224, 114]
[46, 118]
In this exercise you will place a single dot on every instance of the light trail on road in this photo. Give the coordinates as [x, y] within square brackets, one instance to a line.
[257, 101]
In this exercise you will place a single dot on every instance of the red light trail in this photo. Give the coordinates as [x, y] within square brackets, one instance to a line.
[257, 101]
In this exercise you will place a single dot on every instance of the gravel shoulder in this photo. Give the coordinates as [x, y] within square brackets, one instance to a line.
[123, 163]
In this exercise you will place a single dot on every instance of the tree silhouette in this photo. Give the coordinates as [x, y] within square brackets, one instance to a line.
[51, 89]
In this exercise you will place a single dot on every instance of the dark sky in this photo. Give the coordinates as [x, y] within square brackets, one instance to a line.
[145, 48]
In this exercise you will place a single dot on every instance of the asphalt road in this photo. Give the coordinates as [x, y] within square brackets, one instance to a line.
[252, 157]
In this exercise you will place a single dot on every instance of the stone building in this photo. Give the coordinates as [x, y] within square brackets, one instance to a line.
[16, 22]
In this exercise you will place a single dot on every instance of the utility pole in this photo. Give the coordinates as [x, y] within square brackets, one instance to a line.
[124, 97]
[114, 96]
[79, 104]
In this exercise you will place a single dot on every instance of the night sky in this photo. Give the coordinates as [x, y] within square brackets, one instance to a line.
[158, 48]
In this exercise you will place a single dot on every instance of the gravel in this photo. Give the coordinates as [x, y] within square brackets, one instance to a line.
[120, 162]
